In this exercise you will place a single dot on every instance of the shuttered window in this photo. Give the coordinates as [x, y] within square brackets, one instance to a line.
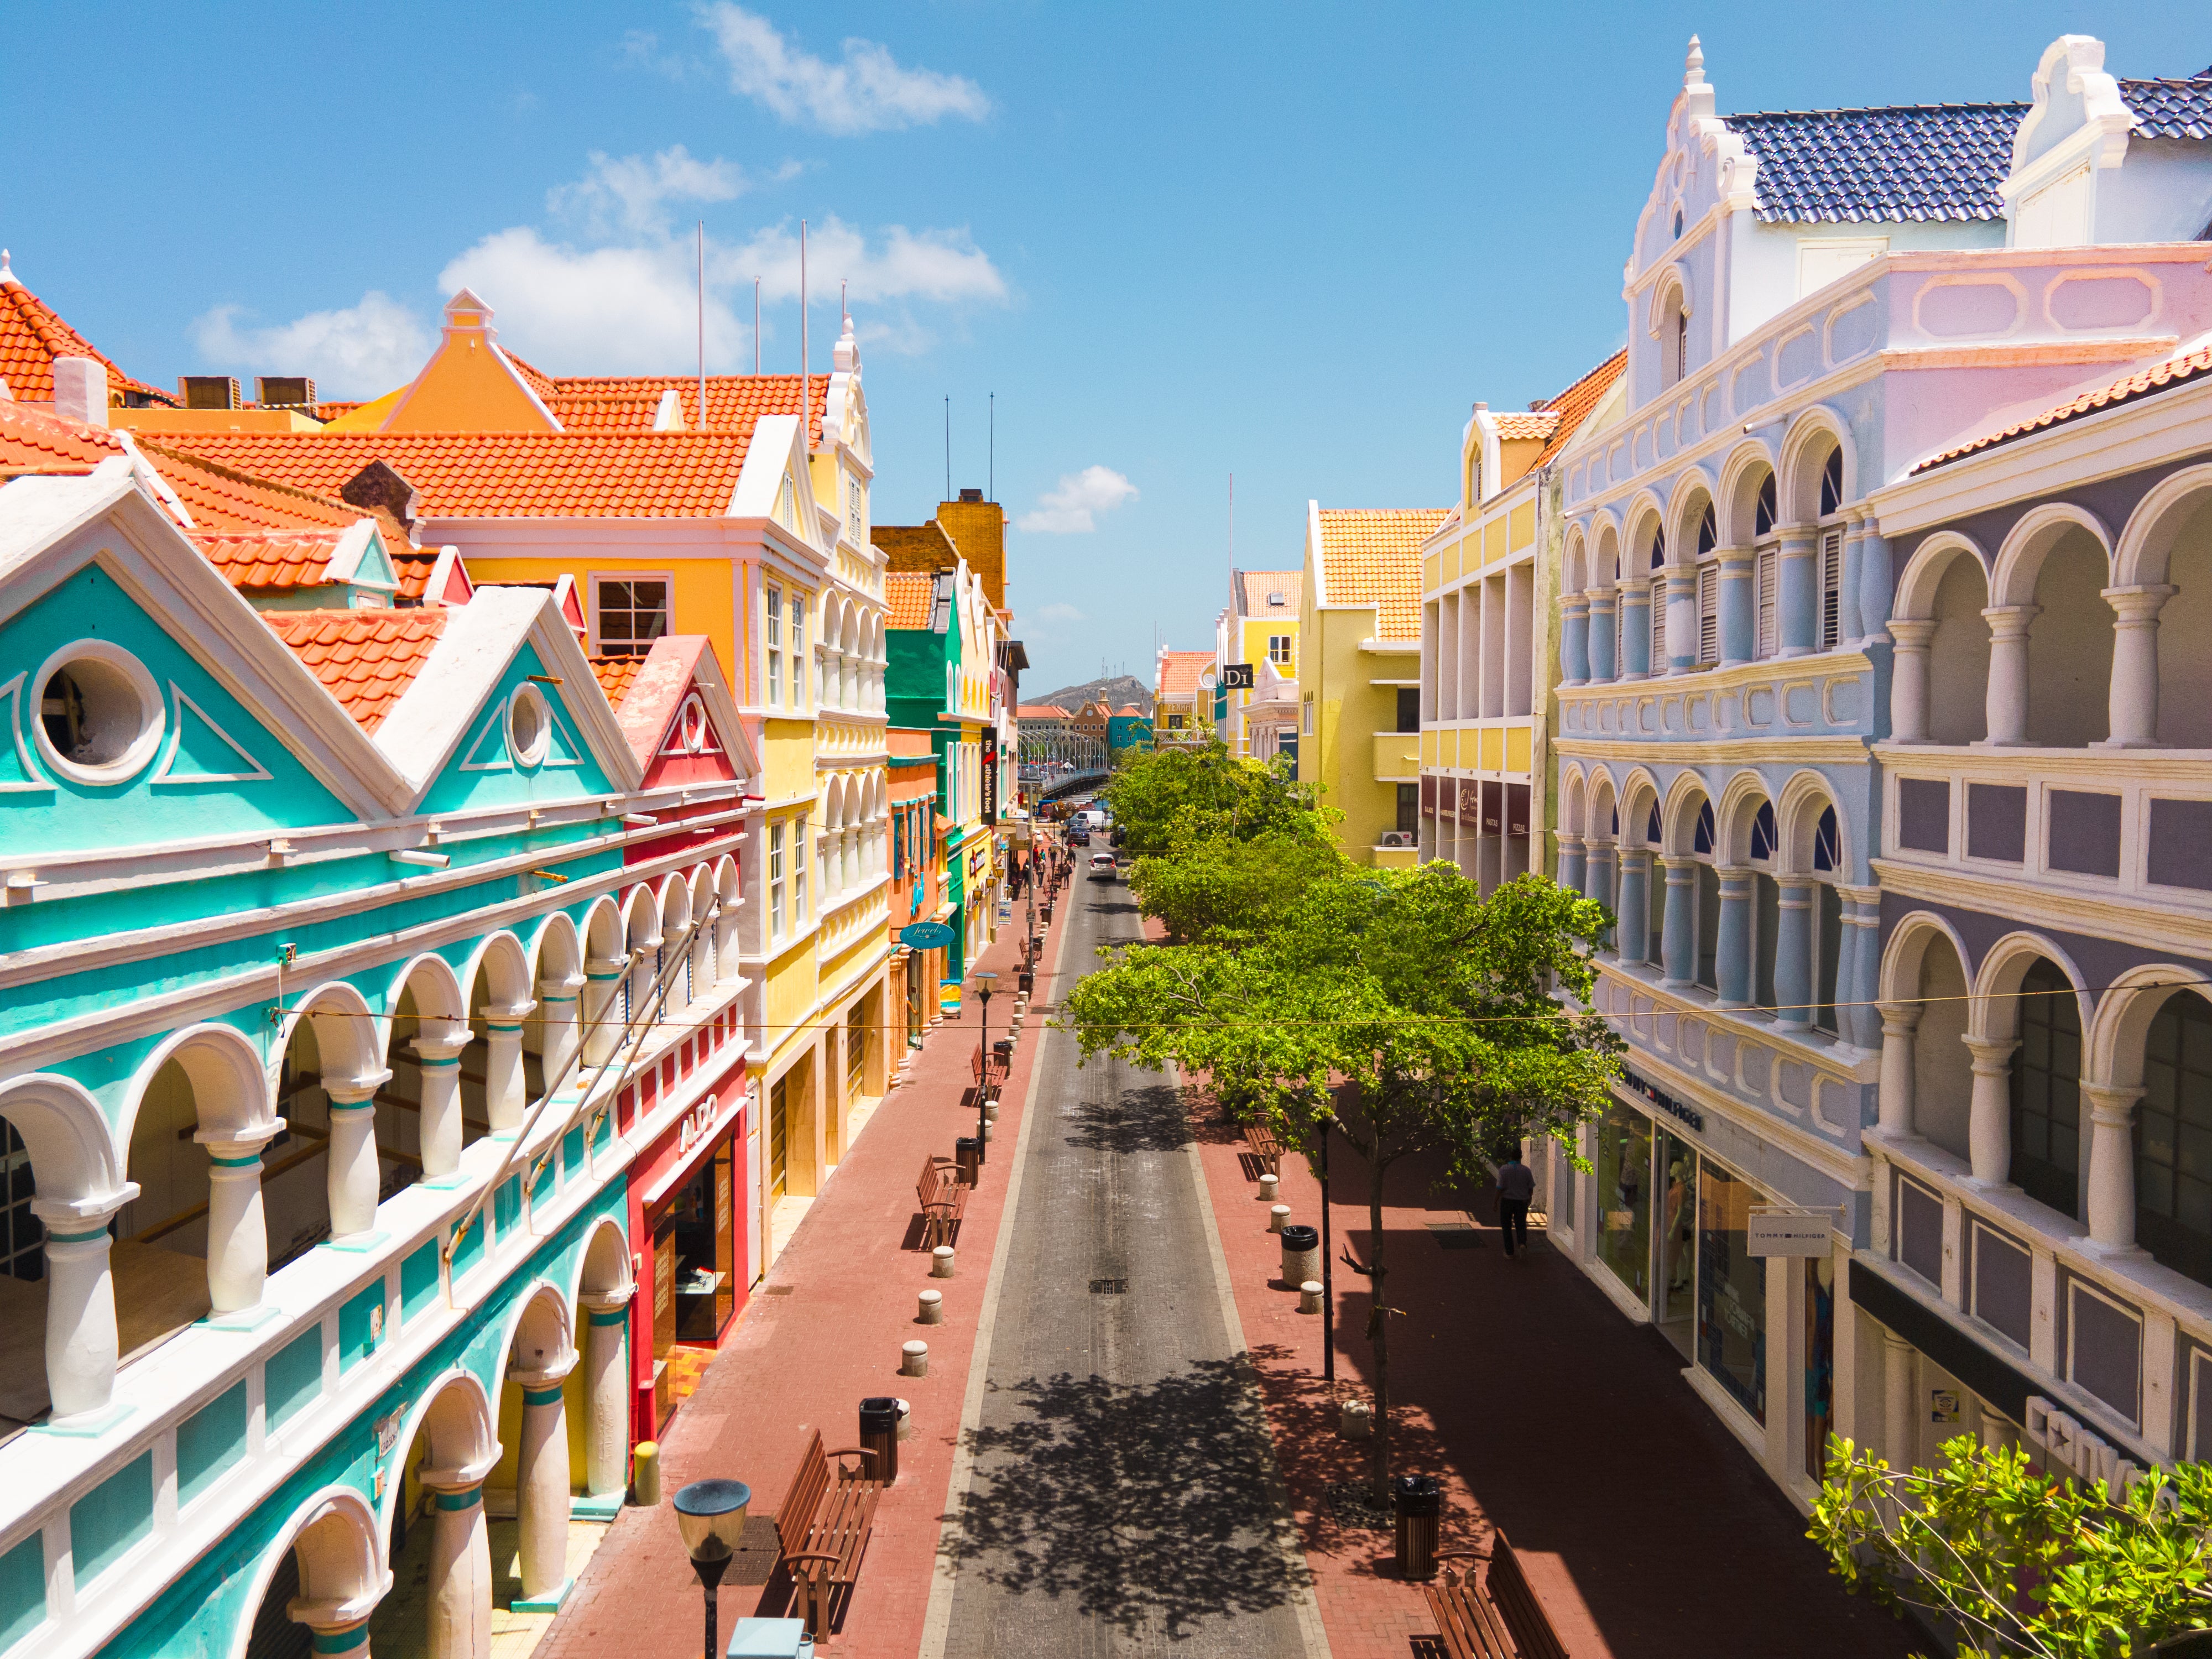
[1832, 588]
[1708, 613]
[1767, 573]
[1658, 625]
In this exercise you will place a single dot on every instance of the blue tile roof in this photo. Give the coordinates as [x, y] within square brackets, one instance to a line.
[1923, 161]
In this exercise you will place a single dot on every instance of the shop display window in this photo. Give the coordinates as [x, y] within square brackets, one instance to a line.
[1678, 1242]
[1623, 1196]
[702, 1241]
[1731, 1290]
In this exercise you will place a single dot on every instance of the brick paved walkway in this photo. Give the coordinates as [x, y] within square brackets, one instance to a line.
[837, 1304]
[1645, 1526]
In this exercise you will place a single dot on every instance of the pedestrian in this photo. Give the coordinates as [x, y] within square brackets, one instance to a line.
[1517, 1186]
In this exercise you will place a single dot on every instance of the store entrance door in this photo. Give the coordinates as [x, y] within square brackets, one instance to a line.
[778, 1137]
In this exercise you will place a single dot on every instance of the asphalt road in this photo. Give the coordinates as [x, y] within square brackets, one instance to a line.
[1121, 1499]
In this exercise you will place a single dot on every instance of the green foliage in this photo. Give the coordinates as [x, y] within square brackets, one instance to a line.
[1225, 892]
[1398, 1006]
[1194, 793]
[2016, 1563]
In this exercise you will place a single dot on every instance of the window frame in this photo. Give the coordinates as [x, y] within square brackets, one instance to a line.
[775, 880]
[594, 579]
[772, 642]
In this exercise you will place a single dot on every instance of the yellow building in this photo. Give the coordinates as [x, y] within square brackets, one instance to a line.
[1359, 647]
[1182, 698]
[1260, 628]
[1486, 665]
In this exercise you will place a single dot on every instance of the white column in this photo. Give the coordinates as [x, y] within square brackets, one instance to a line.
[354, 1174]
[461, 1567]
[1900, 1423]
[1908, 686]
[505, 1096]
[601, 1005]
[556, 1011]
[541, 1484]
[2007, 703]
[237, 1229]
[1899, 1020]
[1989, 1116]
[81, 1340]
[440, 1134]
[2111, 1165]
[606, 1424]
[2133, 704]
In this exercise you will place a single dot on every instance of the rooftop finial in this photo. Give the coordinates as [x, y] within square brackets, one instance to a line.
[7, 271]
[1693, 66]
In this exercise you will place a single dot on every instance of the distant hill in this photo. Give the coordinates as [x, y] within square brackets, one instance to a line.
[1113, 693]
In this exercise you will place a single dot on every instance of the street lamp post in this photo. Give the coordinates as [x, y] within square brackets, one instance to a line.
[984, 981]
[710, 1515]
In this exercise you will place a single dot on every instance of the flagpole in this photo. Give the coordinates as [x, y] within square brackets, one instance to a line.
[806, 434]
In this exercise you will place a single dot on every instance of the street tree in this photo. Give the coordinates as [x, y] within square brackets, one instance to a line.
[1398, 1007]
[1191, 792]
[1215, 890]
[2015, 1562]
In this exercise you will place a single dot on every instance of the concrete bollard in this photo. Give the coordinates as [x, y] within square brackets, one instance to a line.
[644, 1474]
[1301, 1255]
[914, 1360]
[940, 1262]
[1269, 1186]
[933, 1308]
[1279, 1218]
[1309, 1296]
[990, 1128]
[906, 1421]
[991, 1110]
[1356, 1420]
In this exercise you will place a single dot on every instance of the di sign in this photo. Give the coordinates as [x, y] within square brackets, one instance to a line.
[1237, 676]
[1778, 1231]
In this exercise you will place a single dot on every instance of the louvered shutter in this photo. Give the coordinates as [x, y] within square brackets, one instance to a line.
[1708, 613]
[1832, 587]
[1658, 663]
[1769, 576]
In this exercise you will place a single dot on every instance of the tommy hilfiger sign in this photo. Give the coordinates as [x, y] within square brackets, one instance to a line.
[1644, 1089]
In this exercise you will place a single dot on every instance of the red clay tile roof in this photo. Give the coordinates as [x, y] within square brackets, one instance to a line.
[1573, 406]
[1179, 671]
[1372, 555]
[615, 675]
[270, 559]
[413, 567]
[1041, 711]
[223, 498]
[33, 442]
[609, 403]
[32, 335]
[1131, 710]
[365, 659]
[1536, 423]
[502, 475]
[332, 412]
[2136, 383]
[1257, 585]
[907, 596]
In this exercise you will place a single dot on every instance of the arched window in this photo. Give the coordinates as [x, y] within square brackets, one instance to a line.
[1677, 224]
[1681, 346]
[1657, 660]
[1708, 589]
[1708, 912]
[2046, 1091]
[2173, 1138]
[1765, 903]
[1828, 619]
[1655, 891]
[1831, 484]
[1827, 918]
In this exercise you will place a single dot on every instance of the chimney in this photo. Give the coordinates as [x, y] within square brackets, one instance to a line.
[972, 494]
[207, 391]
[377, 485]
[978, 529]
[80, 389]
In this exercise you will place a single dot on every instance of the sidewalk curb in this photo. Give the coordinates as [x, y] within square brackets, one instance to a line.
[936, 1623]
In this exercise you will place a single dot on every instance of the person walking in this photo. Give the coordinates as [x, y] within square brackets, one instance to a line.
[1517, 1186]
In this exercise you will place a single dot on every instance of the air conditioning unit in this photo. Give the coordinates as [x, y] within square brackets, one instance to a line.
[1398, 838]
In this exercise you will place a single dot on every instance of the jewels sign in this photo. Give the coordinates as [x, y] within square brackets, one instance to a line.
[925, 936]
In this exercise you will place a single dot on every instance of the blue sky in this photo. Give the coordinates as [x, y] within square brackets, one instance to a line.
[1292, 243]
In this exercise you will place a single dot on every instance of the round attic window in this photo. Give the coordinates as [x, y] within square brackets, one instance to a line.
[101, 715]
[529, 725]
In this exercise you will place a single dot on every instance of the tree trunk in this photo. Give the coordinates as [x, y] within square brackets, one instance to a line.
[1378, 1329]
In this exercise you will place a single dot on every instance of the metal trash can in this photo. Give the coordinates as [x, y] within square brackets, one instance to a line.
[880, 1422]
[1003, 1048]
[967, 1159]
[1301, 1255]
[1420, 1504]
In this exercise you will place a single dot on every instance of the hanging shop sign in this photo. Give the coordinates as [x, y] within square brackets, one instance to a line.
[990, 775]
[927, 936]
[1775, 1229]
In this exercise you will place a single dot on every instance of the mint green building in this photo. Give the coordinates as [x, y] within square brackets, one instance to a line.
[330, 941]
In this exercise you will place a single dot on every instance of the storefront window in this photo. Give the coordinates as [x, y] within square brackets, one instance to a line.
[1624, 1197]
[1731, 1290]
[1678, 1242]
[704, 1247]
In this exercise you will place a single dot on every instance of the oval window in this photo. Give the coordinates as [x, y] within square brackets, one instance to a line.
[529, 726]
[101, 715]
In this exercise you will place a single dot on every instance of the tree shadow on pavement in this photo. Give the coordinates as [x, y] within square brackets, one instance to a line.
[1147, 1119]
[1144, 1502]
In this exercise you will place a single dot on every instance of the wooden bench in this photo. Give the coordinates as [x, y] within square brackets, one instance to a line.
[943, 1200]
[821, 1529]
[1498, 1618]
[988, 1069]
[1265, 1146]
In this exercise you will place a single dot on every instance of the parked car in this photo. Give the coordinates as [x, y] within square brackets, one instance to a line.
[1078, 834]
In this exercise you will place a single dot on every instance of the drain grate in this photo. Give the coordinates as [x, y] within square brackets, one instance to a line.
[1109, 1287]
[1454, 1235]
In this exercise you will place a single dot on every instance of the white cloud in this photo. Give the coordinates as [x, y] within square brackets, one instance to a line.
[1070, 507]
[633, 193]
[597, 311]
[939, 265]
[1056, 613]
[868, 92]
[361, 351]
